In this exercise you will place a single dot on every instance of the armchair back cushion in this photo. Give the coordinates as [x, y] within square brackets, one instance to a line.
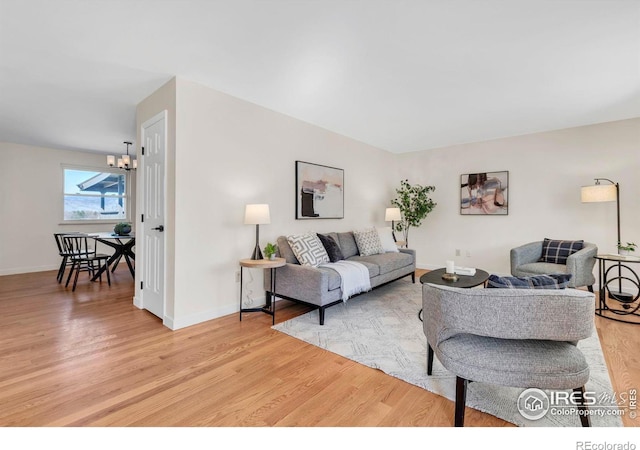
[557, 252]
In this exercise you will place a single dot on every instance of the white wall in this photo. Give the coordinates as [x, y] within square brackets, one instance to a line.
[228, 153]
[546, 171]
[31, 185]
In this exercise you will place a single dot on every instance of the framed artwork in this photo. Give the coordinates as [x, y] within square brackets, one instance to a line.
[484, 194]
[319, 191]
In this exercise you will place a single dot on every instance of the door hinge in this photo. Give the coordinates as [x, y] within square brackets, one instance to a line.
[142, 151]
[141, 217]
[142, 285]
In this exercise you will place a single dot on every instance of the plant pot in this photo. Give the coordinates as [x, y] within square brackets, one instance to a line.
[623, 252]
[272, 257]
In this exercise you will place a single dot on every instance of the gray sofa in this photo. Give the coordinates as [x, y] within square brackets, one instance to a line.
[320, 286]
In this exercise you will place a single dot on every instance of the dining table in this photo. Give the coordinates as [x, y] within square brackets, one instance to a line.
[122, 246]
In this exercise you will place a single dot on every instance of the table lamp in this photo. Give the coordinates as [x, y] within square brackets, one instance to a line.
[257, 214]
[391, 215]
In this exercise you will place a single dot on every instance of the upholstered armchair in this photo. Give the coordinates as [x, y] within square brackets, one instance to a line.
[525, 262]
[523, 338]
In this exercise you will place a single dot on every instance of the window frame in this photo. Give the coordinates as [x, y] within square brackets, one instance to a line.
[126, 196]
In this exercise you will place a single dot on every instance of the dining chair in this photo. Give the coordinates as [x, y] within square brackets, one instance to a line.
[83, 258]
[66, 261]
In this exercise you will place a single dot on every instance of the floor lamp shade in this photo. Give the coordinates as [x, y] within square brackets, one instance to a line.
[598, 193]
[257, 214]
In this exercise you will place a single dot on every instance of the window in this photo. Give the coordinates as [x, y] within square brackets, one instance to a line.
[94, 195]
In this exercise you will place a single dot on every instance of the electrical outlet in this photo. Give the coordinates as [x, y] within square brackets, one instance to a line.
[238, 276]
[457, 252]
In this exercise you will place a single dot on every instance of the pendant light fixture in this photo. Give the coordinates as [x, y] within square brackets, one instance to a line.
[124, 163]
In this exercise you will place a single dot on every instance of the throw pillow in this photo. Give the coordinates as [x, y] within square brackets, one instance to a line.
[552, 281]
[308, 249]
[368, 242]
[332, 247]
[386, 239]
[557, 252]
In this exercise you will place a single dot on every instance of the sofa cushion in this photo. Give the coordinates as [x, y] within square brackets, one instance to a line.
[386, 262]
[368, 242]
[551, 281]
[332, 247]
[557, 251]
[386, 239]
[308, 249]
[372, 267]
[347, 244]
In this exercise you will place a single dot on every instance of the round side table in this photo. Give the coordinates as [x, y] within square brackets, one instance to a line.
[272, 264]
[613, 302]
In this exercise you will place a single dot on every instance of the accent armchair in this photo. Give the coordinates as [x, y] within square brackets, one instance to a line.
[511, 337]
[525, 262]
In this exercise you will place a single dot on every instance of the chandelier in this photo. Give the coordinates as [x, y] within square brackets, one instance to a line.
[124, 163]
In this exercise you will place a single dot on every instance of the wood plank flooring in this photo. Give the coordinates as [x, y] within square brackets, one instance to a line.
[90, 358]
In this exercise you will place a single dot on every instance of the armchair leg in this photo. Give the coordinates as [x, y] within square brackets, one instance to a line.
[582, 408]
[461, 399]
[590, 288]
[429, 359]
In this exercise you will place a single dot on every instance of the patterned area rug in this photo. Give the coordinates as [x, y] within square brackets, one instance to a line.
[381, 329]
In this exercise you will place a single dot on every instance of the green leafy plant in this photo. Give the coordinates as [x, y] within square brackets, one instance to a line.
[629, 247]
[270, 249]
[122, 228]
[415, 204]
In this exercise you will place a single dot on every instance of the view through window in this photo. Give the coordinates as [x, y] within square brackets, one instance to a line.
[94, 195]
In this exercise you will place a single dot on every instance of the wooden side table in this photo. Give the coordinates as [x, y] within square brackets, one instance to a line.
[272, 264]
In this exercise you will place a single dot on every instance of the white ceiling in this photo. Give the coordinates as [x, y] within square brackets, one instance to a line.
[401, 75]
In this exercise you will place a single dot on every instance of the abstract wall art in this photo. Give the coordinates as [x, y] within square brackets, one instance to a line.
[319, 191]
[485, 193]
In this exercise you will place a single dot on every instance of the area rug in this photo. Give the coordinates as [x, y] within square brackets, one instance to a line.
[381, 329]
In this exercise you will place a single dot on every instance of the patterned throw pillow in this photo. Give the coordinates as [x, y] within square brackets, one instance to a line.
[368, 242]
[308, 249]
[557, 252]
[332, 247]
[552, 281]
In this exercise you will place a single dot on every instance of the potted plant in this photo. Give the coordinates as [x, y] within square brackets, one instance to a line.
[626, 249]
[414, 204]
[270, 251]
[122, 228]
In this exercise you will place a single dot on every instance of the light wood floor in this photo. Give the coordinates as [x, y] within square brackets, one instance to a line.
[90, 358]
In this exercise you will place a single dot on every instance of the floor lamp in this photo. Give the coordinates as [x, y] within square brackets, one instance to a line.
[257, 214]
[607, 193]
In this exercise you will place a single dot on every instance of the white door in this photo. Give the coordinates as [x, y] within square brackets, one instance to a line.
[153, 210]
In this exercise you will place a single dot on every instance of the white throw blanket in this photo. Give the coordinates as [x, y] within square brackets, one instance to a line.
[354, 277]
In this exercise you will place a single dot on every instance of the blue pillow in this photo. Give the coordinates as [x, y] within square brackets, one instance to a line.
[552, 281]
[557, 252]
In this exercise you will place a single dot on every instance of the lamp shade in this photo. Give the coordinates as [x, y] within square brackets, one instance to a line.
[598, 193]
[392, 214]
[256, 214]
